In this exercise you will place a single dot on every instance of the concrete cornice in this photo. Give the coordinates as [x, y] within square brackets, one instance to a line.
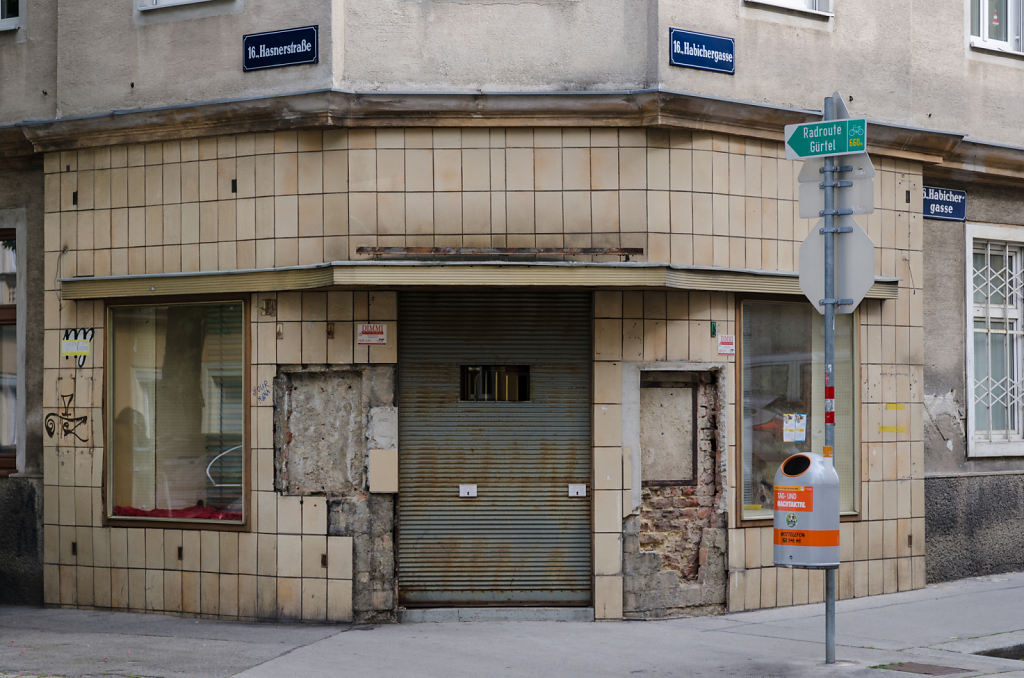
[435, 273]
[944, 151]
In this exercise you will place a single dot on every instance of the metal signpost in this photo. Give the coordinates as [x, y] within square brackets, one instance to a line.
[830, 138]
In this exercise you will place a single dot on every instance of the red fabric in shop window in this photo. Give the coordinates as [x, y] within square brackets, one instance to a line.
[197, 512]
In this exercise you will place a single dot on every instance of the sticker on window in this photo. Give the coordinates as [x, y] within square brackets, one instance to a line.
[794, 428]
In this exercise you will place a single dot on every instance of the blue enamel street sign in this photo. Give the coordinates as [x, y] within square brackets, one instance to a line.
[288, 47]
[700, 50]
[945, 203]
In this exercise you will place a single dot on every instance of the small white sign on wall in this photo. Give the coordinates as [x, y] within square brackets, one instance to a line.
[726, 344]
[74, 347]
[372, 334]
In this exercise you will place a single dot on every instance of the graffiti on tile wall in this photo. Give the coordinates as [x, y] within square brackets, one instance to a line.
[69, 424]
[262, 392]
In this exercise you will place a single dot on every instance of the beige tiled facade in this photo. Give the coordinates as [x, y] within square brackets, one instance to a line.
[257, 201]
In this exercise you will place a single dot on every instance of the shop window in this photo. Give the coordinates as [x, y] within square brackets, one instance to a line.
[494, 383]
[177, 409]
[8, 353]
[783, 397]
[10, 14]
[994, 343]
[997, 24]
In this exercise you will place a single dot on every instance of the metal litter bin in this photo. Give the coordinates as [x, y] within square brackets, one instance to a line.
[807, 513]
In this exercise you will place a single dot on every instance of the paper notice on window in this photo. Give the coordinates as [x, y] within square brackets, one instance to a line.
[794, 428]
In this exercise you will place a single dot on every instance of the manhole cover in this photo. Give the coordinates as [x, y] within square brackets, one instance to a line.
[922, 669]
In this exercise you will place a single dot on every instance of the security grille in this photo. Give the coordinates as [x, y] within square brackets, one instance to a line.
[494, 396]
[998, 284]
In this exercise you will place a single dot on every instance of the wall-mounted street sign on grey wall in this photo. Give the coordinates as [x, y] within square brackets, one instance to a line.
[288, 47]
[701, 50]
[948, 204]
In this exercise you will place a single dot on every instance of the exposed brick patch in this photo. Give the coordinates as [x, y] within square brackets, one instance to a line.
[675, 549]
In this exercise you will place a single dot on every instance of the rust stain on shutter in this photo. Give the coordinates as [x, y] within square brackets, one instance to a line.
[522, 540]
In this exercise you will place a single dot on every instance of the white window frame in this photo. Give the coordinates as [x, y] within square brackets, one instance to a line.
[13, 23]
[1012, 443]
[146, 5]
[1014, 27]
[819, 7]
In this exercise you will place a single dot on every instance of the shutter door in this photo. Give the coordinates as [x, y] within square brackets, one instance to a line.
[521, 540]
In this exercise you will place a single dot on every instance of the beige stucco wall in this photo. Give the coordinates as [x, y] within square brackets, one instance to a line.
[309, 197]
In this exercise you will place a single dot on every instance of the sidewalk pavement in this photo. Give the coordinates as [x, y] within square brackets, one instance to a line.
[943, 625]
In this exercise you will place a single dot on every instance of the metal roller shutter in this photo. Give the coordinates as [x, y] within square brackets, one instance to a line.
[522, 540]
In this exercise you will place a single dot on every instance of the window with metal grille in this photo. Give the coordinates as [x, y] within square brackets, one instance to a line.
[994, 344]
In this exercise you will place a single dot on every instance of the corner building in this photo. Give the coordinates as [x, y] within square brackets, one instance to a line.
[386, 335]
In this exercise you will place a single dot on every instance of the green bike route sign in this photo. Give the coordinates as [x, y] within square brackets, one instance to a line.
[835, 137]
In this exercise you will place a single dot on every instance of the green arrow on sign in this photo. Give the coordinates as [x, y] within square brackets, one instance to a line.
[835, 137]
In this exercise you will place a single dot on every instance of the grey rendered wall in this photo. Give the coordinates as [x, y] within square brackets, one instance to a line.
[973, 507]
[21, 207]
[21, 540]
[903, 61]
[497, 45]
[906, 63]
[178, 55]
[28, 64]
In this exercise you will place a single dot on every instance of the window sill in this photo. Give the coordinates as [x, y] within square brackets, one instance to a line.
[177, 523]
[163, 4]
[1013, 448]
[844, 517]
[1000, 48]
[814, 13]
[10, 24]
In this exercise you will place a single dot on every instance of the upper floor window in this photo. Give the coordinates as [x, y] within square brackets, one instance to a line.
[811, 5]
[995, 294]
[143, 5]
[997, 23]
[10, 14]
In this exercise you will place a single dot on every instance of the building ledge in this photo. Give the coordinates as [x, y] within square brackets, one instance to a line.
[336, 108]
[413, 274]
